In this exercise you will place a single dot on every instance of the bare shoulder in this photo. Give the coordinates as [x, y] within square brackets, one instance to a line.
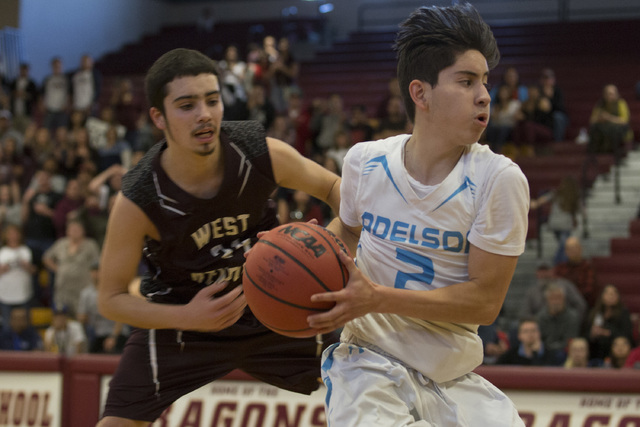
[127, 218]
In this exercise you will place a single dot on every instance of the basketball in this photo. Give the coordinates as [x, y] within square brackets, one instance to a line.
[284, 268]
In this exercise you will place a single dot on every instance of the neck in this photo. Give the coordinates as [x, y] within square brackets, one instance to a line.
[199, 175]
[430, 162]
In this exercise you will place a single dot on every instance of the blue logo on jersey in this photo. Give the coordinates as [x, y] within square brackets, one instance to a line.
[371, 165]
[403, 232]
[466, 184]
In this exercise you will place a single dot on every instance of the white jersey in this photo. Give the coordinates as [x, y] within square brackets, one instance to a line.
[422, 243]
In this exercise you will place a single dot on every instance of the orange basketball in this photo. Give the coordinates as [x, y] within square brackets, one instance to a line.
[284, 268]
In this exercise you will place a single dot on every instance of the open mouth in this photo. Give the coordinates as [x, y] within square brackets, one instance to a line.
[204, 133]
[483, 118]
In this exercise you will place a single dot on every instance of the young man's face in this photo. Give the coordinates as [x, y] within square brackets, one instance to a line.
[459, 102]
[193, 113]
[529, 333]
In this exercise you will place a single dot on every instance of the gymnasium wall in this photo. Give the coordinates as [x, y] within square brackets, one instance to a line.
[40, 389]
[70, 28]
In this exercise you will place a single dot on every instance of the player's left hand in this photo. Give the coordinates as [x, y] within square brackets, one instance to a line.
[358, 298]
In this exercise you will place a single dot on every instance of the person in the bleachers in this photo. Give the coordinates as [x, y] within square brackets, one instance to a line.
[579, 270]
[20, 336]
[116, 151]
[359, 124]
[495, 342]
[16, 270]
[65, 335]
[340, 147]
[127, 108]
[566, 206]
[529, 349]
[511, 80]
[503, 119]
[257, 68]
[270, 48]
[86, 84]
[328, 118]
[558, 322]
[146, 136]
[608, 319]
[66, 208]
[22, 166]
[38, 145]
[633, 361]
[55, 95]
[23, 97]
[8, 130]
[609, 129]
[10, 204]
[534, 299]
[260, 107]
[99, 126]
[232, 79]
[554, 94]
[299, 115]
[535, 123]
[394, 122]
[103, 335]
[38, 204]
[282, 129]
[94, 216]
[70, 259]
[393, 91]
[107, 184]
[619, 353]
[578, 354]
[284, 72]
[51, 164]
[84, 156]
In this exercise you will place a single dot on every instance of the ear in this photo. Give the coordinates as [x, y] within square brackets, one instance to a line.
[420, 94]
[158, 118]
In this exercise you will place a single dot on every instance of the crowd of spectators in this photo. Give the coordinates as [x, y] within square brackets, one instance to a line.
[569, 319]
[64, 148]
[66, 143]
[526, 119]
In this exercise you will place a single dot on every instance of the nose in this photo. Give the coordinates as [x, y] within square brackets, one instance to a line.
[204, 112]
[483, 96]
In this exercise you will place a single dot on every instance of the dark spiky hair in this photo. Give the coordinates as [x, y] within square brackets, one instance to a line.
[432, 38]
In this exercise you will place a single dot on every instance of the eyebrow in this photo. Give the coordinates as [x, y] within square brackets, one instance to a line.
[191, 97]
[471, 73]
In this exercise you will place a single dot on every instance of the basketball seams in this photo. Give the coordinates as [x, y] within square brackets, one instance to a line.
[291, 304]
[335, 253]
[297, 262]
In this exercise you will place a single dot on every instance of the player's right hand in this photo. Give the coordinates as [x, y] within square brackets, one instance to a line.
[206, 312]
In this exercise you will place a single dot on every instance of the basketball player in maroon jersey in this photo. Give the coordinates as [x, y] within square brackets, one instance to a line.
[190, 209]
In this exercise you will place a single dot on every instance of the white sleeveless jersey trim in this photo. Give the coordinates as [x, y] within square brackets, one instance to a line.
[423, 243]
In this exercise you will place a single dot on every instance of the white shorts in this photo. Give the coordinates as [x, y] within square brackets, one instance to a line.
[367, 388]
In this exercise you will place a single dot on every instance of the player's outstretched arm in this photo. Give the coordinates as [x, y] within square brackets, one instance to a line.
[292, 170]
[121, 254]
[477, 301]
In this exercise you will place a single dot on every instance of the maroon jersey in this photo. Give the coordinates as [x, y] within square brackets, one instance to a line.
[204, 240]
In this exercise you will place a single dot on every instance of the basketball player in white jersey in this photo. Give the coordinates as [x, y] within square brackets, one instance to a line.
[439, 222]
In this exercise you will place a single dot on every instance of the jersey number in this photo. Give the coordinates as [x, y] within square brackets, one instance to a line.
[420, 261]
